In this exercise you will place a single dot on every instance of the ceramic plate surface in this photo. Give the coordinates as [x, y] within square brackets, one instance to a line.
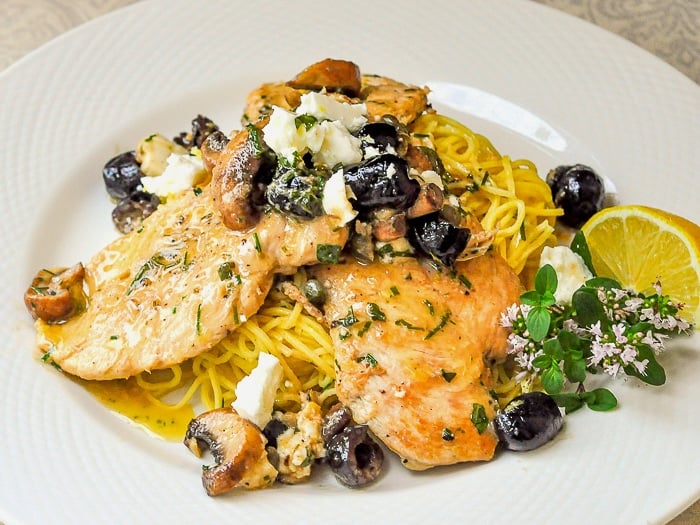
[540, 84]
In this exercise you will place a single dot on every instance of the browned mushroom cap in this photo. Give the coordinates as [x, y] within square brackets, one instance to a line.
[56, 295]
[330, 74]
[235, 176]
[238, 448]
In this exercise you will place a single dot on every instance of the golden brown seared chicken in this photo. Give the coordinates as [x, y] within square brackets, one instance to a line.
[343, 81]
[412, 347]
[173, 289]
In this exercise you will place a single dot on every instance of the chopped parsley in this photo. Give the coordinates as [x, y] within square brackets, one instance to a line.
[256, 243]
[369, 359]
[406, 324]
[198, 323]
[375, 313]
[443, 321]
[447, 376]
[479, 419]
[346, 321]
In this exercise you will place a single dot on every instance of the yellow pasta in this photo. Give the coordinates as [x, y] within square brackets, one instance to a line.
[507, 196]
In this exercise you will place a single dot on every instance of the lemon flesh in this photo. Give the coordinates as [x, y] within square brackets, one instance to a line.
[639, 245]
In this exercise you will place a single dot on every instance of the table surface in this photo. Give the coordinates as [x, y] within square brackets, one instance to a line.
[670, 29]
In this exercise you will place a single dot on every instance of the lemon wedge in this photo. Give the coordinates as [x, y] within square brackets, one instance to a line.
[639, 245]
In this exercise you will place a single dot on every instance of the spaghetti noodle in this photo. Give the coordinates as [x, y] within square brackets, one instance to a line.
[506, 196]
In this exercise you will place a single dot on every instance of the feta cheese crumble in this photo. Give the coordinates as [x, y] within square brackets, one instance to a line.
[572, 271]
[255, 393]
[335, 199]
[323, 107]
[182, 172]
[329, 139]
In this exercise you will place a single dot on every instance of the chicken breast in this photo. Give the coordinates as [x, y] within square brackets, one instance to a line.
[173, 289]
[412, 353]
[342, 79]
[385, 96]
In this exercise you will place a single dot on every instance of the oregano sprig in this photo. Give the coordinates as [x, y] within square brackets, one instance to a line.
[603, 329]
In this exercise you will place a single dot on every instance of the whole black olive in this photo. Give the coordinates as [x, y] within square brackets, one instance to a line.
[528, 421]
[355, 458]
[437, 237]
[578, 190]
[378, 137]
[122, 175]
[297, 191]
[129, 214]
[382, 182]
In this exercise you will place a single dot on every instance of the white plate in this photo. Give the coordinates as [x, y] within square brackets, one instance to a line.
[548, 87]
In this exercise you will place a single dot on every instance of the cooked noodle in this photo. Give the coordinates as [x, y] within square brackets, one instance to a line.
[506, 196]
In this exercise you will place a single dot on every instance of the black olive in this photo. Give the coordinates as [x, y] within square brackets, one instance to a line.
[122, 175]
[382, 182]
[202, 127]
[314, 292]
[354, 457]
[528, 421]
[578, 190]
[435, 236]
[335, 421]
[297, 191]
[379, 137]
[274, 429]
[132, 210]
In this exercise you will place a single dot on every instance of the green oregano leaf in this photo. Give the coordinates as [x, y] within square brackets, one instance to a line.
[546, 279]
[579, 245]
[537, 321]
[553, 379]
[600, 399]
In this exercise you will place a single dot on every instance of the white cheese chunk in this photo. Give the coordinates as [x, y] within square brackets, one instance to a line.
[255, 393]
[323, 107]
[181, 173]
[338, 147]
[572, 271]
[335, 199]
[329, 141]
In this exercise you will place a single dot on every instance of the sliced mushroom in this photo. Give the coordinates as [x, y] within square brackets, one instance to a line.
[430, 199]
[56, 295]
[238, 448]
[238, 177]
[330, 74]
[388, 224]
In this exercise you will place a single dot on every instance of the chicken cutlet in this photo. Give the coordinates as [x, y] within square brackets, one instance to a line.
[176, 287]
[343, 81]
[413, 347]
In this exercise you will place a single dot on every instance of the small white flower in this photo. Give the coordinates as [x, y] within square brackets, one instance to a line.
[619, 331]
[633, 304]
